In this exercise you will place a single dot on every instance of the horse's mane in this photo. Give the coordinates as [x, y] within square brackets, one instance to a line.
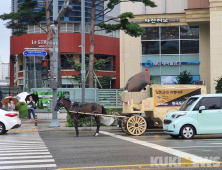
[64, 99]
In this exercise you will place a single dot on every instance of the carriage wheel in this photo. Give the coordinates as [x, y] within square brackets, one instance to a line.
[123, 125]
[136, 125]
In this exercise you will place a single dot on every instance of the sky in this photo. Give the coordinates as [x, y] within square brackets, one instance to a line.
[5, 33]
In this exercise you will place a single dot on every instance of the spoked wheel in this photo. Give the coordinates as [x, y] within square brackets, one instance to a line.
[136, 125]
[123, 125]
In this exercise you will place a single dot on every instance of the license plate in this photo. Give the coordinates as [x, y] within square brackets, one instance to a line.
[165, 127]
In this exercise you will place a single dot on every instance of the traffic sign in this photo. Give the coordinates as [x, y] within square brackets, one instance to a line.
[35, 53]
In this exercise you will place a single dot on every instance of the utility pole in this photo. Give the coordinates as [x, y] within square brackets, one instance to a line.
[54, 79]
[83, 71]
[65, 11]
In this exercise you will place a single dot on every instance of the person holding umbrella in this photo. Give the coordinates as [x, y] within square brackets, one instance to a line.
[11, 105]
[31, 108]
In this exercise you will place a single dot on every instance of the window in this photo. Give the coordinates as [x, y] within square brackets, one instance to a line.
[189, 32]
[151, 33]
[189, 46]
[188, 104]
[169, 33]
[169, 47]
[211, 103]
[150, 47]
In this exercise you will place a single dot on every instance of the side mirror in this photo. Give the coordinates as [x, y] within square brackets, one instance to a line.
[201, 108]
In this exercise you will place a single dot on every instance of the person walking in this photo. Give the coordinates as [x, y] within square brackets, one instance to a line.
[11, 105]
[31, 108]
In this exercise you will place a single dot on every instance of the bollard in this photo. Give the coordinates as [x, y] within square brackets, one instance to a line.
[36, 120]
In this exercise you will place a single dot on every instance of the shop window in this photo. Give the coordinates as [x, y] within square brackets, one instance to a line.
[155, 80]
[170, 58]
[154, 70]
[153, 58]
[189, 46]
[193, 69]
[189, 58]
[151, 33]
[169, 47]
[189, 32]
[170, 70]
[65, 64]
[150, 47]
[169, 33]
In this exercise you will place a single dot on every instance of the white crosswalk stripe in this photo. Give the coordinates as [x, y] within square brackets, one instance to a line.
[22, 153]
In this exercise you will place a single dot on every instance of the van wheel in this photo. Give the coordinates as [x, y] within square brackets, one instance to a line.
[175, 136]
[187, 132]
[2, 128]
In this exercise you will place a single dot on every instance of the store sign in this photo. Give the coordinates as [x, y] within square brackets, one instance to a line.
[173, 96]
[39, 43]
[168, 63]
[156, 20]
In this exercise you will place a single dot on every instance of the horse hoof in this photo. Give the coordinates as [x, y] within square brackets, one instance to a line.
[96, 134]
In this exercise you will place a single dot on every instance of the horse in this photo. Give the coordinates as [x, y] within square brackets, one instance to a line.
[81, 107]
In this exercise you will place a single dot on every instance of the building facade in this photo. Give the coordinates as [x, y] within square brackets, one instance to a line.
[26, 72]
[180, 35]
[5, 71]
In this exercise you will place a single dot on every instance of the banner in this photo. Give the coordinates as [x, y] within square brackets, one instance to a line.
[45, 98]
[173, 97]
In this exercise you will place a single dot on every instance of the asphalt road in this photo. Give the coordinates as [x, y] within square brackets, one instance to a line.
[111, 150]
[116, 150]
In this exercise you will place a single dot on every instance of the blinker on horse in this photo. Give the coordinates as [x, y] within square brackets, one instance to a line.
[94, 108]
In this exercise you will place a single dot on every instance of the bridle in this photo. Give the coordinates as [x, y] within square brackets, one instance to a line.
[58, 106]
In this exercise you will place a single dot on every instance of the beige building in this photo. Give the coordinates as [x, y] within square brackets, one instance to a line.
[180, 35]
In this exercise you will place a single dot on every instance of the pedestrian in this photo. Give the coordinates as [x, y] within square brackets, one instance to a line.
[31, 108]
[11, 105]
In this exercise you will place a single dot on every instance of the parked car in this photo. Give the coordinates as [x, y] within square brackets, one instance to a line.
[8, 120]
[201, 114]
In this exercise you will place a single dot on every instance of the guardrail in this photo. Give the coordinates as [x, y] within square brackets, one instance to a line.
[110, 98]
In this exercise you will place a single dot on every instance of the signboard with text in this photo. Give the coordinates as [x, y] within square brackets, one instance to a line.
[156, 20]
[35, 53]
[173, 97]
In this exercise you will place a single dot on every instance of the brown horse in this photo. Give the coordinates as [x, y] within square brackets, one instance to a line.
[81, 107]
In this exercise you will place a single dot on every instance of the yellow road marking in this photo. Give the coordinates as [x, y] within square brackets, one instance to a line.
[28, 130]
[154, 166]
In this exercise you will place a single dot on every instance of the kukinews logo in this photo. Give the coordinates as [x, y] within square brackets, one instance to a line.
[184, 162]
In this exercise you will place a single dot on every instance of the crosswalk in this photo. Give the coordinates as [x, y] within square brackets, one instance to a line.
[25, 153]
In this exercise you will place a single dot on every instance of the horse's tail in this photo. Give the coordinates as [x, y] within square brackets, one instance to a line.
[103, 110]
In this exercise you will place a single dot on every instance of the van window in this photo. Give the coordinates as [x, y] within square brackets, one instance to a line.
[188, 104]
[211, 103]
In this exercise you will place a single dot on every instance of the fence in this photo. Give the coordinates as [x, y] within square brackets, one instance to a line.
[110, 98]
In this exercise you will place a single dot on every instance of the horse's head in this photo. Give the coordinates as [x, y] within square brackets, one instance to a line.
[59, 104]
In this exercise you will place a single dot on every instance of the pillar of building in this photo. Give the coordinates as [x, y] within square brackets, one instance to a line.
[205, 54]
[11, 71]
[215, 42]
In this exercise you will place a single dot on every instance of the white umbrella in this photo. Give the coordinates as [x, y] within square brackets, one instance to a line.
[21, 96]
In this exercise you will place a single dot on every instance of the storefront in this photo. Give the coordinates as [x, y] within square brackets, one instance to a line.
[167, 51]
[176, 42]
[26, 71]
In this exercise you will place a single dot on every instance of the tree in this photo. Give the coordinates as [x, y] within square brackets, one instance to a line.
[99, 64]
[25, 16]
[218, 83]
[123, 23]
[184, 78]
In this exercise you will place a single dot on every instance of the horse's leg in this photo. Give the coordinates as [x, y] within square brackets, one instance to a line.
[98, 125]
[76, 124]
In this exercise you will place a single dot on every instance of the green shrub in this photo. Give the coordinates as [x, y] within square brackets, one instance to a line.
[87, 121]
[218, 83]
[21, 107]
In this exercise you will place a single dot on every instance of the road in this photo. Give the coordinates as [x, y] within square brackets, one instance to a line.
[111, 150]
